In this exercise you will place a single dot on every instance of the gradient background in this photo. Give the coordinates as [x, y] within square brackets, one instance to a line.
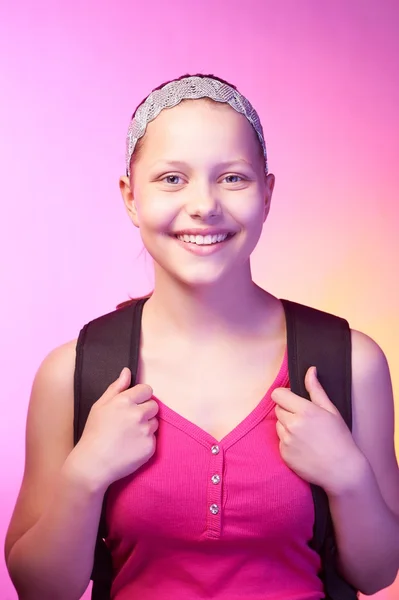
[324, 78]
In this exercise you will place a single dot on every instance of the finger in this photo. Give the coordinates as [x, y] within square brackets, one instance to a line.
[288, 400]
[119, 385]
[139, 393]
[284, 417]
[316, 392]
[153, 425]
[148, 409]
[281, 431]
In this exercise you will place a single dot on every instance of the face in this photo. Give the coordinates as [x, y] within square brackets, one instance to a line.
[198, 192]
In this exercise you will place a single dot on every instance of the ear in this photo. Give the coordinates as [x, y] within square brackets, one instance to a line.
[269, 187]
[128, 199]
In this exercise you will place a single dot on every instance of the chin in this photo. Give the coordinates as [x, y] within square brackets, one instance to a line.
[205, 277]
[200, 272]
[198, 282]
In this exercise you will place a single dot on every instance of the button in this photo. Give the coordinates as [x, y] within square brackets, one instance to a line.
[216, 479]
[215, 449]
[214, 509]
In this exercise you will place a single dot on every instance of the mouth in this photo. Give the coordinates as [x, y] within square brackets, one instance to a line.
[204, 240]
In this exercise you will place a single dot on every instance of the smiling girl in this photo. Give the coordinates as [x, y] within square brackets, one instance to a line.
[209, 458]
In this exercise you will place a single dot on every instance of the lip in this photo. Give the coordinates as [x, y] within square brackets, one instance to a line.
[203, 250]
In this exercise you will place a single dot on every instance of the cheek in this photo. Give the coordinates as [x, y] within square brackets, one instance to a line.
[155, 214]
[250, 212]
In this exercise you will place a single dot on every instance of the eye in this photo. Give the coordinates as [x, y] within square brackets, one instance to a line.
[234, 178]
[172, 179]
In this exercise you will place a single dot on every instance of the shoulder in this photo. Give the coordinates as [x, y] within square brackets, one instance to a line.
[368, 358]
[371, 380]
[51, 402]
[61, 354]
[57, 367]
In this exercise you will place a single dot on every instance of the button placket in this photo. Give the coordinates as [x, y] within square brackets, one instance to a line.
[215, 489]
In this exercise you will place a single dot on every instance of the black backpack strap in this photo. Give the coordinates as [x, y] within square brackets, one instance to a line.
[104, 347]
[111, 342]
[316, 338]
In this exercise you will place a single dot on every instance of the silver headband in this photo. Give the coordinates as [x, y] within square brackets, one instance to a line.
[189, 88]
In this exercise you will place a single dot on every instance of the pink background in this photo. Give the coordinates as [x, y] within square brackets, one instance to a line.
[324, 78]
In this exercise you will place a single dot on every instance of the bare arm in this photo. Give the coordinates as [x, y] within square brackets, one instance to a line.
[366, 514]
[51, 537]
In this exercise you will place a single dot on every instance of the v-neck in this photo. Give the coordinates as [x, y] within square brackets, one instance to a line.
[257, 414]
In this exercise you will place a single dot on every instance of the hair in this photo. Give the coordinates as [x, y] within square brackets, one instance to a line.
[131, 300]
[139, 143]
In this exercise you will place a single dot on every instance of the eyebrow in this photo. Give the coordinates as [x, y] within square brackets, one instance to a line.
[179, 164]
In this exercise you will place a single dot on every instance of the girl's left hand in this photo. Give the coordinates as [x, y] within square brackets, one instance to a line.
[315, 441]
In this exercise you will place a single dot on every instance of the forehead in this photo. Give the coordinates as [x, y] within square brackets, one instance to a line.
[203, 124]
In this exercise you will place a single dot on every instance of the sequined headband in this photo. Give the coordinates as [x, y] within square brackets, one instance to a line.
[192, 88]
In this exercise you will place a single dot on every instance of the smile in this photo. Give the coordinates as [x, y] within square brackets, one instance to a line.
[203, 240]
[203, 245]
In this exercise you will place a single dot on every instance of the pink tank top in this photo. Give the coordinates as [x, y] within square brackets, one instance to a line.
[206, 519]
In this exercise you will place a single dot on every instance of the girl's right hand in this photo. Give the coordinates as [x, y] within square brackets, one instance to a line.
[119, 436]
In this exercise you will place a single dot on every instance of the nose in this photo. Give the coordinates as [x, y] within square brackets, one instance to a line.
[203, 203]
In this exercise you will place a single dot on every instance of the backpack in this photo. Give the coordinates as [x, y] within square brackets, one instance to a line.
[315, 338]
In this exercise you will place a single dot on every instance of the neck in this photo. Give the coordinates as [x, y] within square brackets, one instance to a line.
[234, 305]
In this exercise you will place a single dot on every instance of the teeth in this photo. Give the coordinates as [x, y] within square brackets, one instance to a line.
[203, 240]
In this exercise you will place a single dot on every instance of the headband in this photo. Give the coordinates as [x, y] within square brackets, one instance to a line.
[191, 88]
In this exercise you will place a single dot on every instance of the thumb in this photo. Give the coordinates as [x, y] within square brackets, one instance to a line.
[316, 392]
[119, 385]
[124, 378]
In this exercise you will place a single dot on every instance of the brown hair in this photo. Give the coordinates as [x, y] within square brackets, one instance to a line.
[130, 301]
